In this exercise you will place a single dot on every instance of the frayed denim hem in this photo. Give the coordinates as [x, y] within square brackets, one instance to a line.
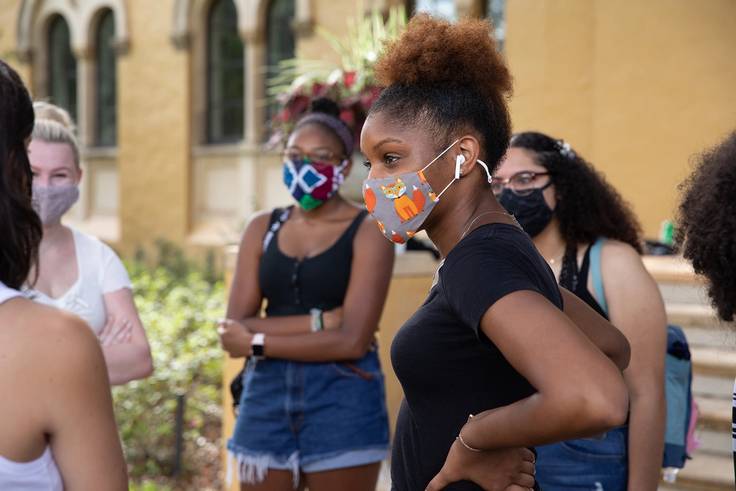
[253, 466]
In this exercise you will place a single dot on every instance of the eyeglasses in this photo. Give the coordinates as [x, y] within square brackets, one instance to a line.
[318, 156]
[522, 183]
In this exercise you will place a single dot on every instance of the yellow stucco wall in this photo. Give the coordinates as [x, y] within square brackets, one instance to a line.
[153, 128]
[8, 24]
[637, 87]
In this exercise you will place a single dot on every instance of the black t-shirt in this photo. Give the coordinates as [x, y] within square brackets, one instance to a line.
[447, 367]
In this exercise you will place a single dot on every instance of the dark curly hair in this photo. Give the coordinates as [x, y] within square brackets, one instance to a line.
[20, 227]
[588, 207]
[706, 230]
[448, 78]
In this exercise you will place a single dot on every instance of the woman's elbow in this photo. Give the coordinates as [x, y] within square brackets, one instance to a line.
[607, 405]
[623, 354]
[143, 364]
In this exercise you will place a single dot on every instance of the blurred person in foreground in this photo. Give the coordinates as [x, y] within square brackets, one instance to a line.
[706, 230]
[52, 374]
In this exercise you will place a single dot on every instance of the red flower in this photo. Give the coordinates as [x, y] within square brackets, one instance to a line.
[349, 79]
[347, 116]
[318, 89]
[298, 105]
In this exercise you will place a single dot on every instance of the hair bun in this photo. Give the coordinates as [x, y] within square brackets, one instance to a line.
[51, 112]
[325, 106]
[435, 52]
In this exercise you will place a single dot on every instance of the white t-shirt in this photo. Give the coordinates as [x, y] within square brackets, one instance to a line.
[100, 271]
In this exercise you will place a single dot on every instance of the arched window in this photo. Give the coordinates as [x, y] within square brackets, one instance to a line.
[62, 66]
[225, 74]
[280, 43]
[496, 11]
[440, 8]
[105, 82]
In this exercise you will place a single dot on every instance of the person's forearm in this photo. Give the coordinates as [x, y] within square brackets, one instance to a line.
[600, 331]
[646, 438]
[126, 362]
[279, 326]
[539, 420]
[334, 345]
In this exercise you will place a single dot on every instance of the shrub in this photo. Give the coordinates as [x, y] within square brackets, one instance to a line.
[178, 304]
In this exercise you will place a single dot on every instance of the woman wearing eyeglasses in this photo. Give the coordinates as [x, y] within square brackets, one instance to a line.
[313, 403]
[592, 242]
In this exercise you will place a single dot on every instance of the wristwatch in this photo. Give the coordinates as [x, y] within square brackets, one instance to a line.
[316, 321]
[256, 346]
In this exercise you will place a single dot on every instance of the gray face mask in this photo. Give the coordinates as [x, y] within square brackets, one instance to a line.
[51, 202]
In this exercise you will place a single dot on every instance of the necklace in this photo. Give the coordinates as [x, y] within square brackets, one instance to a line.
[467, 229]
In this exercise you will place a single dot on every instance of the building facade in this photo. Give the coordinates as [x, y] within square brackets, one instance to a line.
[170, 100]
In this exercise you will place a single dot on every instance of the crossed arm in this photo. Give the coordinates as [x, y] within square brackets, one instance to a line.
[290, 337]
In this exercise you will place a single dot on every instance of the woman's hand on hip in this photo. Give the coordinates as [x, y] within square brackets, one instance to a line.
[493, 470]
[234, 337]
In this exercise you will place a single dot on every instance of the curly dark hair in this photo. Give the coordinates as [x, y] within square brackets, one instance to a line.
[706, 230]
[432, 77]
[20, 227]
[588, 207]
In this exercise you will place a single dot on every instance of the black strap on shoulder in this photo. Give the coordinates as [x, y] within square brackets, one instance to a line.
[569, 271]
[278, 218]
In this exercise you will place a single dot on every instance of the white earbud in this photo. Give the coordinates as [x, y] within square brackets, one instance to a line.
[460, 160]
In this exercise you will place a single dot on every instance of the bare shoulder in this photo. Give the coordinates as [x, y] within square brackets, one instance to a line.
[58, 337]
[258, 222]
[369, 235]
[620, 256]
[622, 266]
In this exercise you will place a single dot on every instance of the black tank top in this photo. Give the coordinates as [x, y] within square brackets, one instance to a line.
[576, 280]
[293, 287]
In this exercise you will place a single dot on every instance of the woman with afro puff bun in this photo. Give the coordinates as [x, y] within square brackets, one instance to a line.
[707, 228]
[592, 242]
[498, 359]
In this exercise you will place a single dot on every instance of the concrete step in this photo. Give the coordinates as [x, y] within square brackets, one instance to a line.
[714, 442]
[713, 386]
[691, 314]
[704, 473]
[714, 414]
[711, 337]
[714, 362]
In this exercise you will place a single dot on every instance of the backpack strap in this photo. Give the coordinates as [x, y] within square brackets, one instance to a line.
[278, 218]
[595, 273]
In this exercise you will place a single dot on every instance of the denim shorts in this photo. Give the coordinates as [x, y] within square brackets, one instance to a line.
[309, 417]
[587, 464]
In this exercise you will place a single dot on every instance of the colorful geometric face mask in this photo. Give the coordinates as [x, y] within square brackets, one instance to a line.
[401, 204]
[312, 183]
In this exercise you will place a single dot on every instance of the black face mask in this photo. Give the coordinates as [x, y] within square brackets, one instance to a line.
[531, 211]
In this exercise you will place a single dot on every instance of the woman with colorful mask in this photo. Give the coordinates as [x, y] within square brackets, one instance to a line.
[490, 364]
[592, 242]
[312, 410]
[77, 272]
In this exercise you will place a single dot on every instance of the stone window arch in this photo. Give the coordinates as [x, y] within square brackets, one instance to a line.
[61, 65]
[225, 74]
[105, 80]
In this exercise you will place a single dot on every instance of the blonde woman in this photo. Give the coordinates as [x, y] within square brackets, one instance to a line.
[77, 272]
